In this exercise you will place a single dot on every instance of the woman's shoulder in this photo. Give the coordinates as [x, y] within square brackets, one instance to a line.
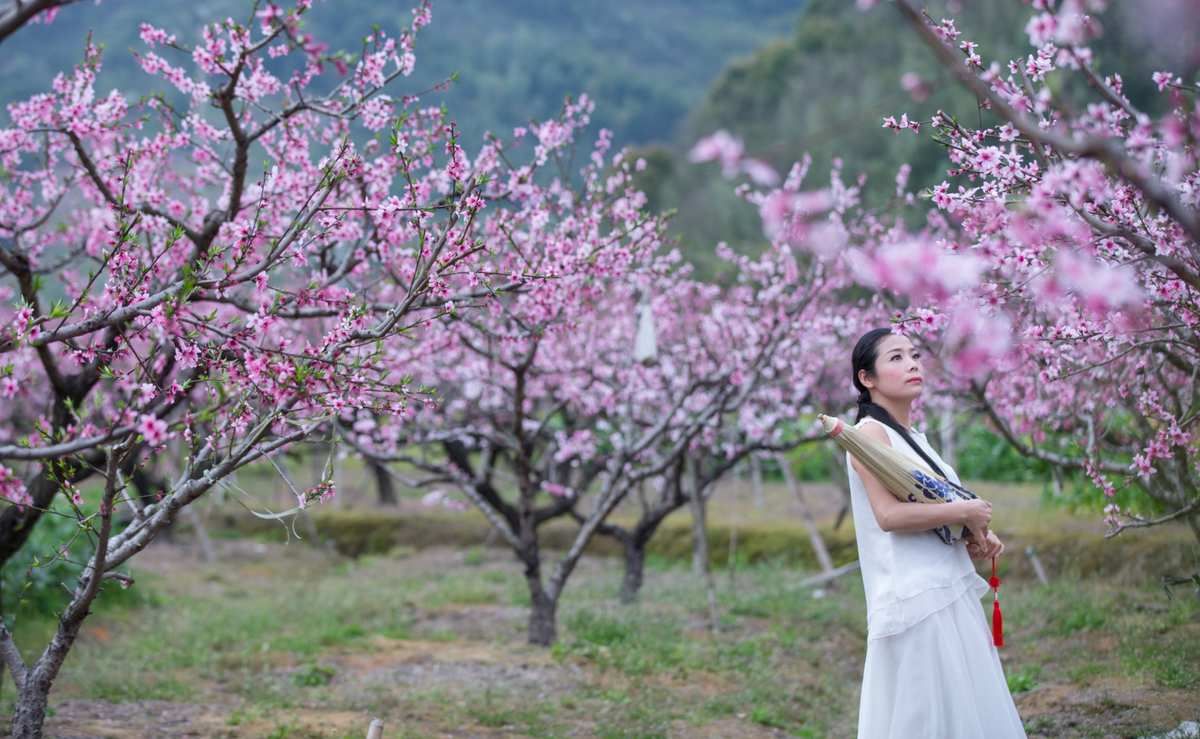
[912, 429]
[875, 428]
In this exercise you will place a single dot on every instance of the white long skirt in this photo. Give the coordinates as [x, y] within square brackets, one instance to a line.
[939, 678]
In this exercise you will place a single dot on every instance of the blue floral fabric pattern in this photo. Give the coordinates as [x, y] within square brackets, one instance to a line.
[939, 489]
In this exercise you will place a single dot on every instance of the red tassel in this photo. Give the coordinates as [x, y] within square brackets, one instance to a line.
[997, 618]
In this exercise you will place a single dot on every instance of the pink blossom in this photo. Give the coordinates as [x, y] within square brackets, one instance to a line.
[269, 16]
[903, 123]
[1101, 288]
[918, 269]
[1163, 79]
[12, 488]
[912, 83]
[1041, 28]
[558, 491]
[760, 172]
[153, 36]
[720, 147]
[440, 498]
[322, 492]
[377, 112]
[579, 445]
[153, 429]
[977, 342]
[785, 214]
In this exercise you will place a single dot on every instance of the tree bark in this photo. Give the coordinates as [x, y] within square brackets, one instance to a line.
[543, 616]
[17, 14]
[30, 711]
[700, 549]
[635, 569]
[700, 554]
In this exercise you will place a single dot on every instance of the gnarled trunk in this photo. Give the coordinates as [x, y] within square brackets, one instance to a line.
[543, 616]
[30, 711]
[635, 569]
[383, 483]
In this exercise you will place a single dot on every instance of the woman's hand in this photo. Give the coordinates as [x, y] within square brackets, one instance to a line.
[978, 514]
[986, 548]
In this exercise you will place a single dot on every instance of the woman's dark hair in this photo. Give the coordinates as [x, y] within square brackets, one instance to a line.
[865, 353]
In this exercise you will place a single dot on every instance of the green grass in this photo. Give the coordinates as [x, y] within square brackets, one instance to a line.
[269, 636]
[1024, 679]
[496, 709]
[631, 646]
[1074, 608]
[1163, 649]
[313, 675]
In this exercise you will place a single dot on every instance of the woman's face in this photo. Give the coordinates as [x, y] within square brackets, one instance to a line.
[897, 370]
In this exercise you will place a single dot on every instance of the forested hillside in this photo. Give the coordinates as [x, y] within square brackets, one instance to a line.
[645, 63]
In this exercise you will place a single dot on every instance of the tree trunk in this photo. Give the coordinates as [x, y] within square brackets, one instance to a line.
[699, 532]
[543, 608]
[33, 696]
[543, 617]
[947, 437]
[635, 569]
[842, 480]
[206, 548]
[30, 711]
[700, 550]
[814, 534]
[383, 483]
[756, 482]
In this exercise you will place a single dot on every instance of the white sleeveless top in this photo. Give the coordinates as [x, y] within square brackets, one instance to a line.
[907, 575]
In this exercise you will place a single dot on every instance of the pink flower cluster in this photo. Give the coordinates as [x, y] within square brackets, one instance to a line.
[12, 488]
[729, 152]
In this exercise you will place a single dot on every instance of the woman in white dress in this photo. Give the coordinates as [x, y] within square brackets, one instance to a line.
[931, 667]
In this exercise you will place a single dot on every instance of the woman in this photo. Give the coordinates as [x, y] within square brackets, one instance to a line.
[931, 668]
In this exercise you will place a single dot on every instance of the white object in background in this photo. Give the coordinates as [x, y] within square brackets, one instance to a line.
[645, 346]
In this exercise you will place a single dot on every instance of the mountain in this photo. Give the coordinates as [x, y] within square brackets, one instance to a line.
[645, 63]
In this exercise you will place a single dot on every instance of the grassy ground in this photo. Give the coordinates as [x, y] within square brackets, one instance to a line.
[292, 640]
[289, 641]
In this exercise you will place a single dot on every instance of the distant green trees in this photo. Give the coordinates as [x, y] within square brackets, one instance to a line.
[646, 64]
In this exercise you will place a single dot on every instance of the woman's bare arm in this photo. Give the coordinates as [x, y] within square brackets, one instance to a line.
[893, 514]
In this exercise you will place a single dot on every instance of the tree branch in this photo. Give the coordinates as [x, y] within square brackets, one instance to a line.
[19, 13]
[1105, 150]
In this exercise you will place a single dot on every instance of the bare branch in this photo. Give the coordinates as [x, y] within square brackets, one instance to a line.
[19, 13]
[12, 656]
